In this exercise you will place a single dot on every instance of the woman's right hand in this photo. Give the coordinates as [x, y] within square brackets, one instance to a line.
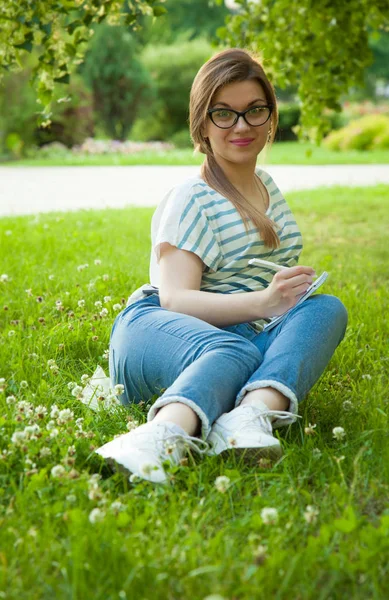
[285, 289]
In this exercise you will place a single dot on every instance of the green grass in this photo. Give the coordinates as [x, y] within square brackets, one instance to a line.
[286, 153]
[188, 540]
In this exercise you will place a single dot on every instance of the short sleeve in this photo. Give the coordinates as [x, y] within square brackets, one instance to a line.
[181, 220]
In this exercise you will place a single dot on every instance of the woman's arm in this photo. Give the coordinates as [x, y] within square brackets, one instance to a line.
[179, 291]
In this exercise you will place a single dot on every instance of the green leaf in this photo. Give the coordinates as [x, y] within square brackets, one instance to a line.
[25, 46]
[72, 26]
[159, 10]
[63, 79]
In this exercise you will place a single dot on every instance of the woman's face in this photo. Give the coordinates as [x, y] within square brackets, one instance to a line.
[230, 144]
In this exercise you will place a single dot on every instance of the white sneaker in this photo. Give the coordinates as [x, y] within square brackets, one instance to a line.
[246, 430]
[143, 450]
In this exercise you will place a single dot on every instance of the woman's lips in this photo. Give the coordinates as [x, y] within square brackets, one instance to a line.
[244, 142]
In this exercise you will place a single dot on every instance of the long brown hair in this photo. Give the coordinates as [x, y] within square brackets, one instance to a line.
[229, 66]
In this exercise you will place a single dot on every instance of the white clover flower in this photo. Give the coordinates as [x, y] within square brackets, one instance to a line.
[366, 376]
[54, 433]
[117, 307]
[50, 425]
[71, 385]
[65, 416]
[85, 378]
[119, 389]
[104, 312]
[105, 277]
[310, 514]
[4, 278]
[32, 431]
[316, 453]
[106, 354]
[25, 408]
[77, 391]
[132, 424]
[41, 411]
[269, 516]
[98, 304]
[97, 261]
[11, 333]
[44, 452]
[54, 412]
[81, 303]
[107, 299]
[23, 385]
[96, 515]
[93, 479]
[310, 430]
[169, 448]
[58, 304]
[71, 498]
[79, 422]
[51, 362]
[260, 554]
[82, 267]
[10, 400]
[51, 277]
[134, 478]
[222, 483]
[110, 401]
[338, 433]
[29, 292]
[18, 437]
[117, 506]
[33, 356]
[95, 493]
[347, 405]
[58, 471]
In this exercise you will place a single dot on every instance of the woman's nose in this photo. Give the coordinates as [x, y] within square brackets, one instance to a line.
[241, 124]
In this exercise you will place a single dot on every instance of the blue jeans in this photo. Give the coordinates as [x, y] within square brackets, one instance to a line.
[184, 359]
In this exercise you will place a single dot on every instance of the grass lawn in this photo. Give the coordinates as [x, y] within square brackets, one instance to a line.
[286, 153]
[187, 539]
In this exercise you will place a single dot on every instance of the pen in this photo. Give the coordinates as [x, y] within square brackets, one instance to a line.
[267, 264]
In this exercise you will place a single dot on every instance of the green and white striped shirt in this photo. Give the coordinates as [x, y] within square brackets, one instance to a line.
[194, 217]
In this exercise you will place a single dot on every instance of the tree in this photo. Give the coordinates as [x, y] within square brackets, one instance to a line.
[321, 46]
[119, 81]
[60, 31]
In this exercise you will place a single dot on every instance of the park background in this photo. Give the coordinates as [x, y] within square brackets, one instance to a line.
[313, 525]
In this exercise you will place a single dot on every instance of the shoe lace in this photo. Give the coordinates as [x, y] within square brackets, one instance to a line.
[252, 423]
[189, 441]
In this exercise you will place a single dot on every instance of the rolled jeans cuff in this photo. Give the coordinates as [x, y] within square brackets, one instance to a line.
[293, 404]
[163, 401]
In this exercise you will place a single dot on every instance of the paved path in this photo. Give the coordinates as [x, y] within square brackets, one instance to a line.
[30, 190]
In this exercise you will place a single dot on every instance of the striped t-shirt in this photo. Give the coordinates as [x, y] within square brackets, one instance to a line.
[195, 217]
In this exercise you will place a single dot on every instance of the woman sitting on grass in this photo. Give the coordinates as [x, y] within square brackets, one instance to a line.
[195, 334]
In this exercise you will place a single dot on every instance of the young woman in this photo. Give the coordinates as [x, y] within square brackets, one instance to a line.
[194, 335]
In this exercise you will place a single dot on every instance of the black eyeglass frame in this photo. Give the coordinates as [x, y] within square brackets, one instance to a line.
[238, 114]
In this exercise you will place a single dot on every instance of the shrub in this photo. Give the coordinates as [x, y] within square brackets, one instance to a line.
[367, 133]
[173, 69]
[72, 121]
[119, 82]
[181, 139]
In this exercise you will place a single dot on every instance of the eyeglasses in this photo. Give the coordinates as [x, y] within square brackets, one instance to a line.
[224, 118]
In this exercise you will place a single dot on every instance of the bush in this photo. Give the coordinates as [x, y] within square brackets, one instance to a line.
[181, 139]
[72, 121]
[288, 117]
[119, 82]
[367, 133]
[18, 120]
[173, 69]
